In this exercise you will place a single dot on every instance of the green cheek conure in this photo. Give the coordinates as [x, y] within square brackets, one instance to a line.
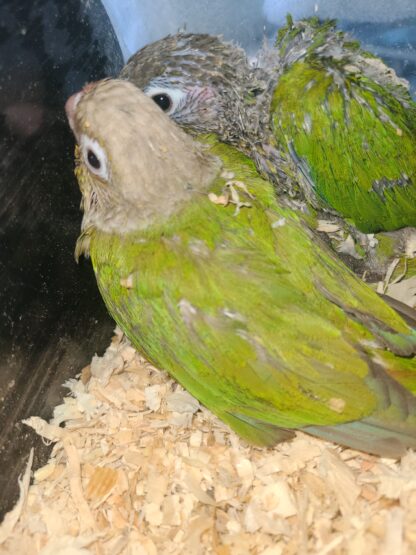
[212, 279]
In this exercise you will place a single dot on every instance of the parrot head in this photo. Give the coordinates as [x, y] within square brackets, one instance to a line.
[204, 84]
[134, 165]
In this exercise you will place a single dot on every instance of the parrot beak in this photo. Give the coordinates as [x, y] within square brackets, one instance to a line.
[70, 109]
[72, 103]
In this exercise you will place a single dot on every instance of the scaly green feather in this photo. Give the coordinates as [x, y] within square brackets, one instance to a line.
[351, 122]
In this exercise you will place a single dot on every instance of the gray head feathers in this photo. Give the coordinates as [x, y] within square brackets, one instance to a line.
[135, 166]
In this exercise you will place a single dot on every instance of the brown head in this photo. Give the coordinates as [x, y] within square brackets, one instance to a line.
[134, 165]
[204, 84]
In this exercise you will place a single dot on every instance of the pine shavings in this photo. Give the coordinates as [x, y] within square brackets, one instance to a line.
[410, 247]
[75, 485]
[342, 241]
[347, 246]
[342, 479]
[404, 291]
[13, 516]
[400, 288]
[42, 428]
[141, 468]
[326, 226]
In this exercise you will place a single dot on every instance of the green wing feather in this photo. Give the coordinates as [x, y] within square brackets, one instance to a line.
[355, 133]
[256, 318]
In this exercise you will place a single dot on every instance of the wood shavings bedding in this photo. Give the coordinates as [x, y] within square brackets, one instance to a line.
[140, 468]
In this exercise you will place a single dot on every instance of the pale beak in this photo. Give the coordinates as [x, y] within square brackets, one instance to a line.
[70, 108]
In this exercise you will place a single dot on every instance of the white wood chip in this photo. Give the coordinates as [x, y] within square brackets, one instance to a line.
[41, 427]
[67, 545]
[102, 368]
[394, 532]
[392, 266]
[153, 397]
[140, 468]
[404, 291]
[182, 401]
[74, 476]
[342, 479]
[410, 249]
[348, 247]
[326, 226]
[12, 517]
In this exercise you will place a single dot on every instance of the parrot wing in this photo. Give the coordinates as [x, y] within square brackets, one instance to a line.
[349, 124]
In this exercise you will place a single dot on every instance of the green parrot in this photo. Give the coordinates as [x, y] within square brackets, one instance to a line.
[212, 279]
[352, 122]
[324, 120]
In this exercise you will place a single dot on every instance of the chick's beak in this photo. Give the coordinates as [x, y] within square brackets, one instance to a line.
[70, 109]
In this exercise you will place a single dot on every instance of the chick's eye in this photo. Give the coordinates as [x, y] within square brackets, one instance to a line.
[93, 160]
[163, 100]
[170, 100]
[95, 157]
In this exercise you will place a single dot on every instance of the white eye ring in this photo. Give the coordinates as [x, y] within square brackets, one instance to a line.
[94, 157]
[169, 99]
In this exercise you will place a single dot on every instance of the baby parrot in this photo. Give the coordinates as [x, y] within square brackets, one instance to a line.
[216, 282]
[351, 121]
[324, 120]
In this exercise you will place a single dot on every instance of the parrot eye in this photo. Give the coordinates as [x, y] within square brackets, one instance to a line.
[163, 101]
[93, 160]
[94, 157]
[169, 100]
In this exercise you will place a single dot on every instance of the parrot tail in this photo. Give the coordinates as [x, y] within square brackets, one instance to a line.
[389, 431]
[401, 344]
[406, 312]
[367, 435]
